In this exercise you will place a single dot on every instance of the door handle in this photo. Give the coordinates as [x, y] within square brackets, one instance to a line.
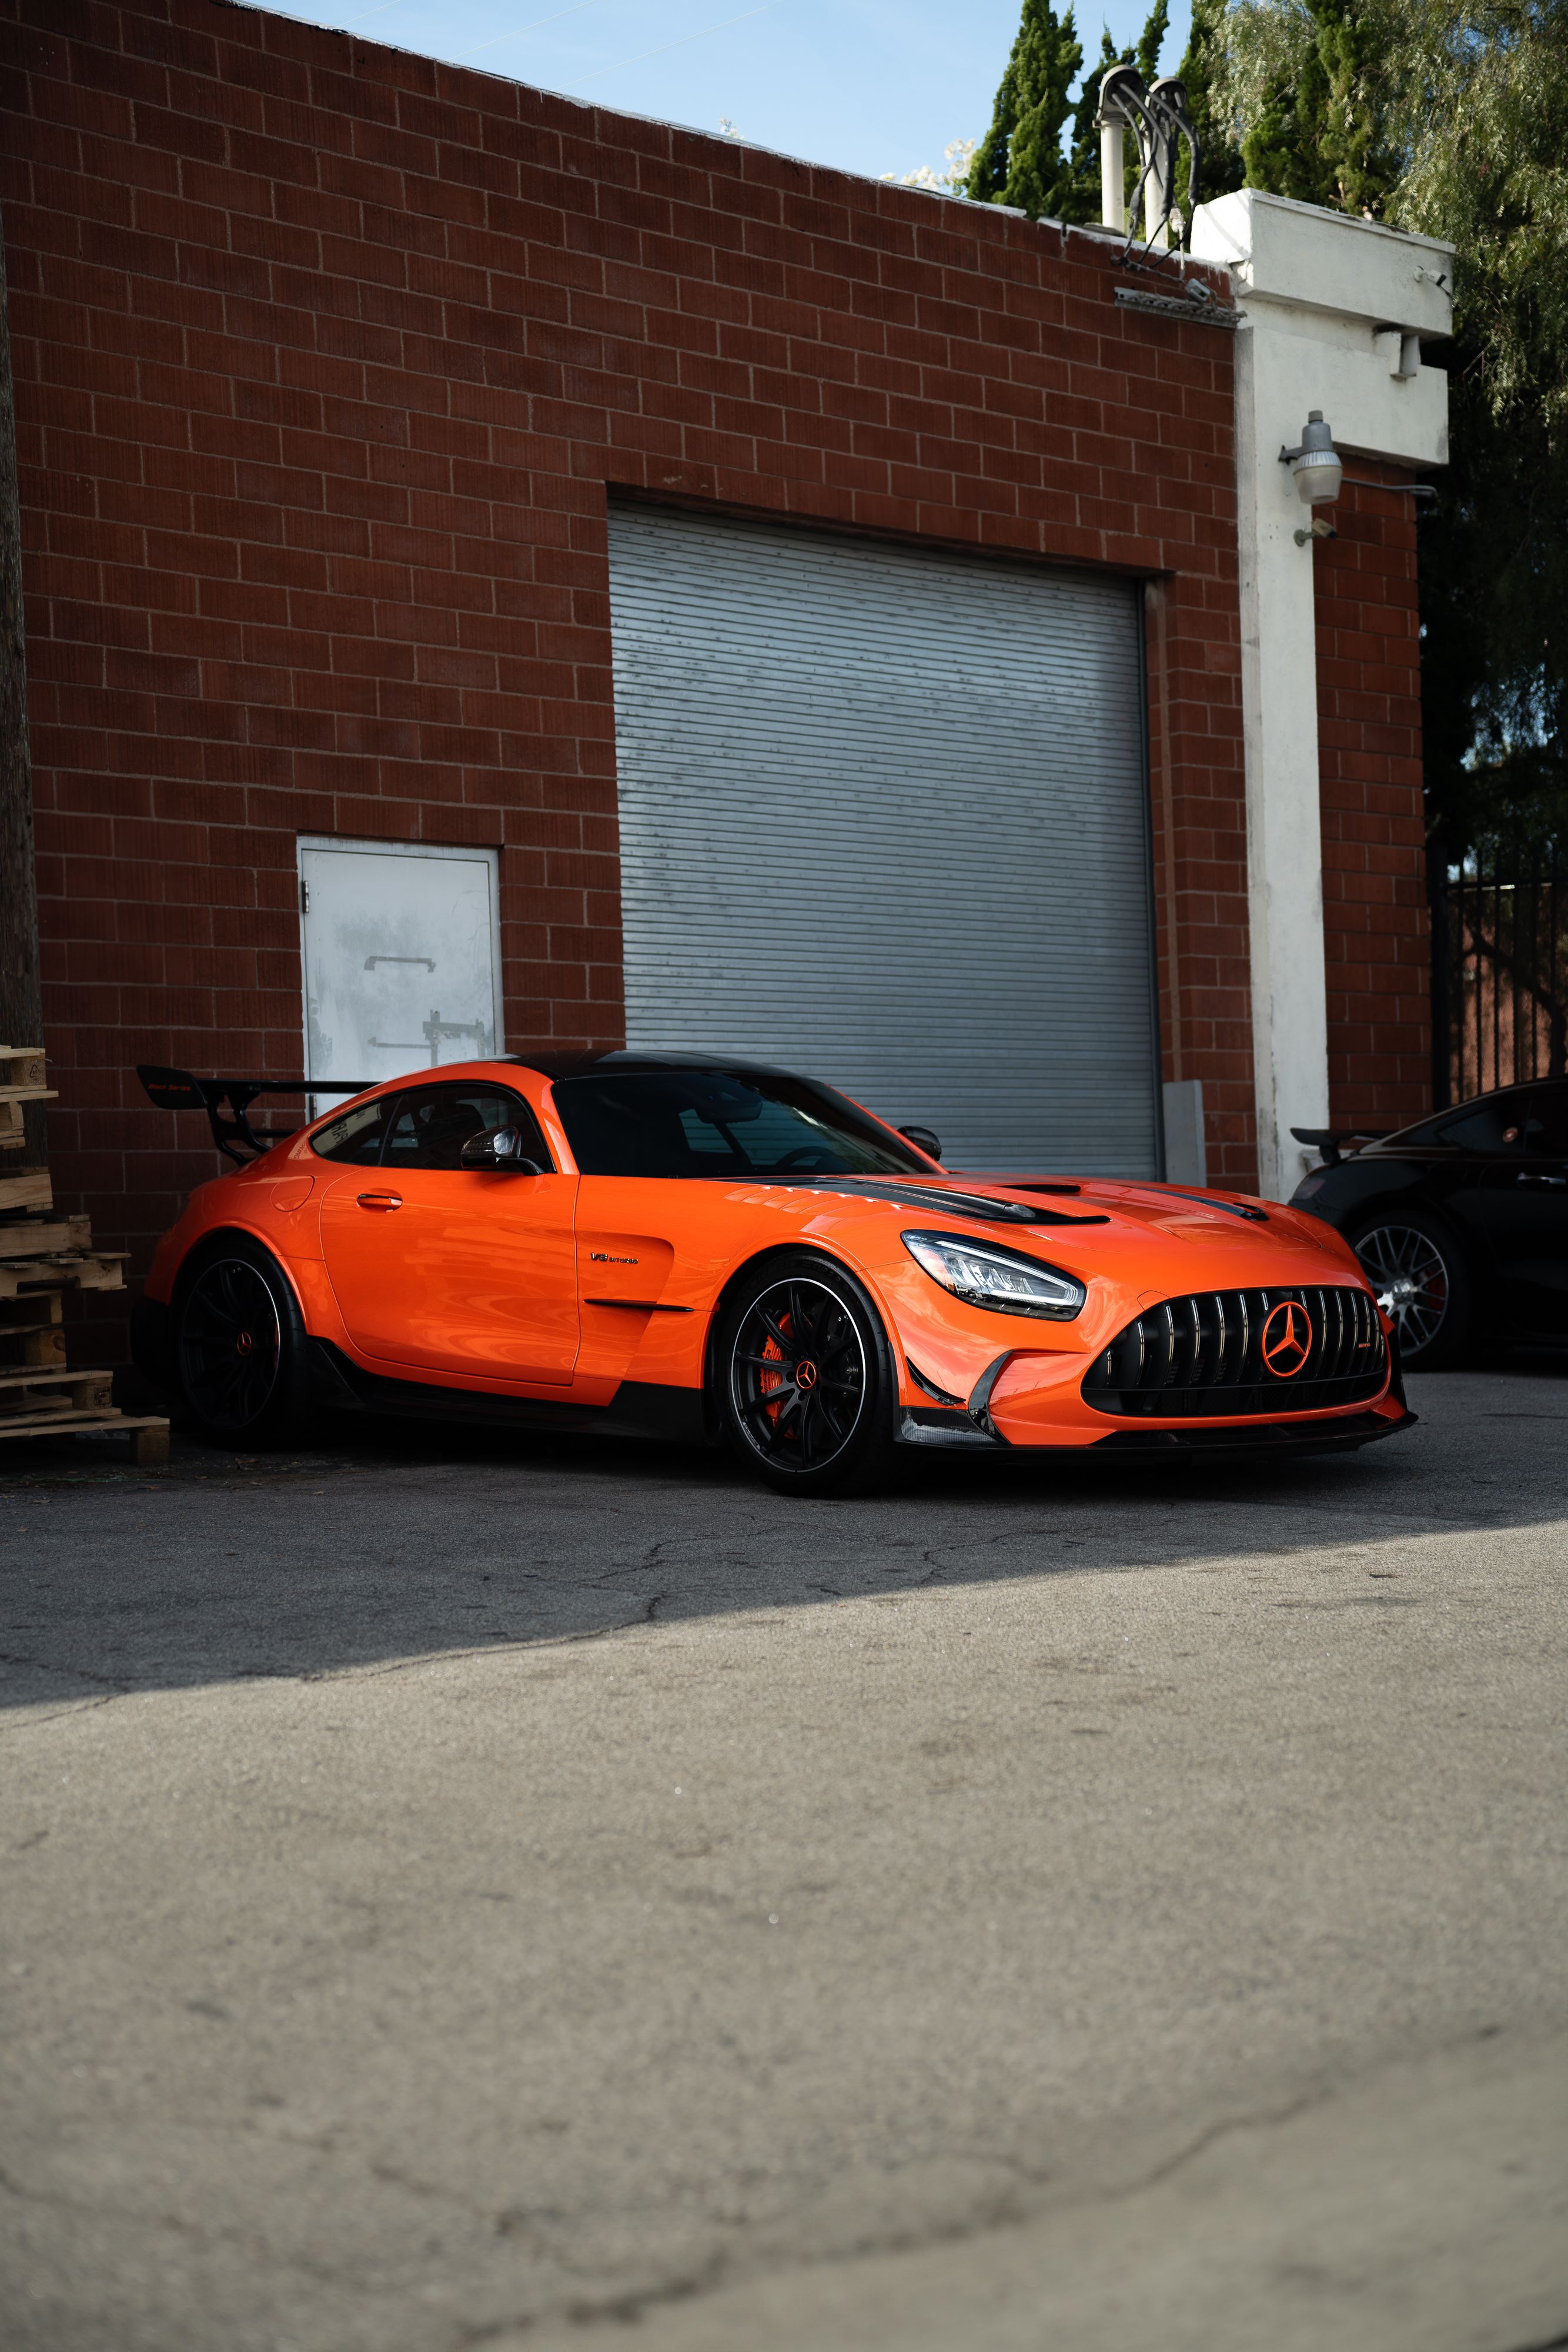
[1557, 1183]
[385, 1202]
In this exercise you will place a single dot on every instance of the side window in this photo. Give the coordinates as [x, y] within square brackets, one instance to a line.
[356, 1136]
[1499, 1124]
[432, 1124]
[1546, 1120]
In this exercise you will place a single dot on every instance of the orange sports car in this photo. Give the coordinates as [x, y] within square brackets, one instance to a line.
[688, 1247]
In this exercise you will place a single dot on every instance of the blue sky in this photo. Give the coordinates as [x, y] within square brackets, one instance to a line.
[872, 86]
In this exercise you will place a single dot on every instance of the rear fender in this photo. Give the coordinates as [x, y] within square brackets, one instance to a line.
[217, 1234]
[152, 1314]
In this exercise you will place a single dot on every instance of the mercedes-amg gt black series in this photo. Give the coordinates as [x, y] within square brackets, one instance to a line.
[1460, 1223]
[695, 1249]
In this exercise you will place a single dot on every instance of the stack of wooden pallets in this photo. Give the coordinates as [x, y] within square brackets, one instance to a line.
[42, 1256]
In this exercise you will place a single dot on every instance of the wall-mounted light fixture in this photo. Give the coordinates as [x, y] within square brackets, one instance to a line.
[1315, 463]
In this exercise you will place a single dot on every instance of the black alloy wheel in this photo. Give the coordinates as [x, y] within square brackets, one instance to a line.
[239, 1346]
[1421, 1281]
[807, 1394]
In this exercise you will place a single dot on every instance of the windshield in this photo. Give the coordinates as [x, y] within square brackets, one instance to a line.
[723, 1123]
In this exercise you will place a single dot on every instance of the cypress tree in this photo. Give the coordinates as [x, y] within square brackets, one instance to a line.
[1317, 134]
[1018, 161]
[1451, 117]
[1221, 168]
[1150, 41]
[1083, 200]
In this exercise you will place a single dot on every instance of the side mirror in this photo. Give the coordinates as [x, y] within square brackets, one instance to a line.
[924, 1139]
[500, 1149]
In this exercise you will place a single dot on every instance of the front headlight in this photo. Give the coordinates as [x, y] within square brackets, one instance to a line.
[984, 1274]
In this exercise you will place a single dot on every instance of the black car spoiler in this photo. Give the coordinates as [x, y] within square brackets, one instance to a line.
[1328, 1139]
[234, 1135]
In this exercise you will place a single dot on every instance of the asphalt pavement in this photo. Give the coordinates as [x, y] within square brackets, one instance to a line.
[477, 1894]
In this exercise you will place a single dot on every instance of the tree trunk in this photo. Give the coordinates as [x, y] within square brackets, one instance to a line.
[21, 990]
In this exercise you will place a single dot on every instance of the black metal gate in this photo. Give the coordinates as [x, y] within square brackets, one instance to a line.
[1499, 970]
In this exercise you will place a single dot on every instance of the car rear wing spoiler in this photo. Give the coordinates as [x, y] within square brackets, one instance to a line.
[1328, 1139]
[234, 1134]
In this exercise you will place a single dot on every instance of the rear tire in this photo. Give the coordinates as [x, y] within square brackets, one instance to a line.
[804, 1377]
[240, 1346]
[1415, 1263]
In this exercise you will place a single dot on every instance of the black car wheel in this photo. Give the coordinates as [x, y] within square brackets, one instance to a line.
[239, 1346]
[806, 1385]
[1421, 1281]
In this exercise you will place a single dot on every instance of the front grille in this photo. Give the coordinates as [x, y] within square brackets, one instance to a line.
[1205, 1355]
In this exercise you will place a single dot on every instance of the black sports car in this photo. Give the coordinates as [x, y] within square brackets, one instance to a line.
[1460, 1221]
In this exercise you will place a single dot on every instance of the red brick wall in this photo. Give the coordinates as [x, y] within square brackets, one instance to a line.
[1375, 926]
[327, 358]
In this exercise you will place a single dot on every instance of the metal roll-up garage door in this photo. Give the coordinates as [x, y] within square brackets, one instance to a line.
[883, 821]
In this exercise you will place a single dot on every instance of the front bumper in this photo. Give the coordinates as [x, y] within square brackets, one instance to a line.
[1033, 1402]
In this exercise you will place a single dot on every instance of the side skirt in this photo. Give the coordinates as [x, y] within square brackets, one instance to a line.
[637, 1409]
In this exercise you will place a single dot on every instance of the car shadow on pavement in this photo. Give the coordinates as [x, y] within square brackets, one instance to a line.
[388, 1541]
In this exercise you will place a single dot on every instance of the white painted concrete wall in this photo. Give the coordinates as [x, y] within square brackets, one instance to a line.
[1333, 313]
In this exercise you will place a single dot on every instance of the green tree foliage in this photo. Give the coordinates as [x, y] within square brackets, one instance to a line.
[1221, 167]
[1494, 610]
[1020, 159]
[1450, 117]
[1150, 41]
[1318, 131]
[1484, 118]
[1446, 116]
[1082, 195]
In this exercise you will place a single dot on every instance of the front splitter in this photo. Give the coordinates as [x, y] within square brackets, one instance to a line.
[956, 1432]
[1210, 1445]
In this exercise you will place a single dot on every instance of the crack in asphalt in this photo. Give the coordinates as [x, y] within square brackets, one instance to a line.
[634, 2304]
[201, 2233]
[497, 1645]
[80, 1673]
[997, 2212]
[32, 1720]
[625, 2310]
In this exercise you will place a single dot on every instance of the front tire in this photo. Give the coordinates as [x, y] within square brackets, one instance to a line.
[806, 1387]
[1414, 1265]
[240, 1346]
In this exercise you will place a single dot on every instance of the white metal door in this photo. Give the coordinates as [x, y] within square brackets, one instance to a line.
[883, 820]
[399, 948]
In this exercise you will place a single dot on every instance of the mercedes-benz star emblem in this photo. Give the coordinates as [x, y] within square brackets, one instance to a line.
[1287, 1339]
